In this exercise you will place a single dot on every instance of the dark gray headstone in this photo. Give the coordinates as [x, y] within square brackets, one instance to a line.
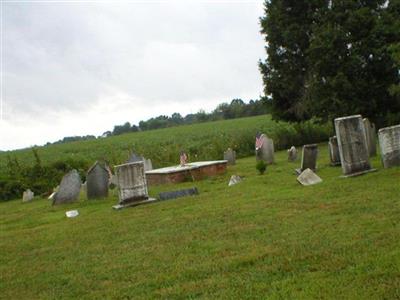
[131, 182]
[135, 158]
[389, 141]
[266, 151]
[177, 194]
[69, 189]
[370, 135]
[354, 156]
[292, 153]
[97, 182]
[230, 156]
[334, 154]
[309, 158]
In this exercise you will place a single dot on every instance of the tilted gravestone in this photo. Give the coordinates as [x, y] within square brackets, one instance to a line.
[354, 156]
[97, 179]
[309, 158]
[389, 141]
[265, 148]
[230, 156]
[69, 189]
[292, 154]
[235, 179]
[308, 177]
[334, 154]
[370, 135]
[177, 194]
[27, 196]
[132, 185]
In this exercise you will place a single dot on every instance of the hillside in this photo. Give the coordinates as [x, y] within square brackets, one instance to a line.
[267, 237]
[202, 141]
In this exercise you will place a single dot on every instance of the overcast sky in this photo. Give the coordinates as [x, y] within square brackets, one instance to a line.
[77, 68]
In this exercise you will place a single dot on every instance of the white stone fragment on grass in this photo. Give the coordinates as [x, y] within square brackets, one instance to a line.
[72, 213]
[235, 179]
[308, 177]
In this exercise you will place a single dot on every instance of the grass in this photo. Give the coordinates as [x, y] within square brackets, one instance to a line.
[267, 237]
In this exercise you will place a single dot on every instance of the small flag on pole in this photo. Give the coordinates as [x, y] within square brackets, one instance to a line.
[183, 158]
[259, 140]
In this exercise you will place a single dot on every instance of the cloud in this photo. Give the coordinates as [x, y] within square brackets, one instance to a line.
[81, 68]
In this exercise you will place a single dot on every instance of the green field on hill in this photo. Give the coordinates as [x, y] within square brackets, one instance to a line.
[267, 237]
[203, 141]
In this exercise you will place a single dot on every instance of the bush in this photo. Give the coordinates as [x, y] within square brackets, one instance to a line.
[261, 166]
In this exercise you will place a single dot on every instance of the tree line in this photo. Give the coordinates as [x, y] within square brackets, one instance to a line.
[331, 58]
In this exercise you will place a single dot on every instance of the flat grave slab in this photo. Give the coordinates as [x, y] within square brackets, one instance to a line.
[189, 172]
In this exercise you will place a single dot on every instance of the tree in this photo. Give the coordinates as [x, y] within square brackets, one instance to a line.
[287, 29]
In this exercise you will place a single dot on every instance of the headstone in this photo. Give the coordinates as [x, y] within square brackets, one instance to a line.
[370, 135]
[235, 179]
[176, 194]
[230, 156]
[334, 151]
[69, 189]
[389, 141]
[308, 177]
[27, 196]
[135, 158]
[132, 185]
[183, 158]
[354, 157]
[148, 166]
[264, 148]
[97, 182]
[308, 158]
[292, 153]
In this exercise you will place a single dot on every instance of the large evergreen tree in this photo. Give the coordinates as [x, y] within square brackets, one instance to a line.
[336, 58]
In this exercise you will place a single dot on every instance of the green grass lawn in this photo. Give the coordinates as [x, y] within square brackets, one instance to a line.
[267, 237]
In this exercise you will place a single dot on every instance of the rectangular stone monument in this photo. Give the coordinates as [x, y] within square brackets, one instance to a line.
[389, 141]
[334, 154]
[370, 135]
[132, 185]
[230, 156]
[354, 156]
[308, 158]
[97, 182]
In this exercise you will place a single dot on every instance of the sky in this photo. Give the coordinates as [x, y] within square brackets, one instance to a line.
[80, 67]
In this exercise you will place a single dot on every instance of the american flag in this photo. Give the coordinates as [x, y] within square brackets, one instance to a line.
[183, 158]
[259, 140]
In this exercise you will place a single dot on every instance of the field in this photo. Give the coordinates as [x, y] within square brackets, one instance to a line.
[267, 237]
[202, 141]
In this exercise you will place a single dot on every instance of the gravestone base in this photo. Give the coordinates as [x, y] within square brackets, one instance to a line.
[358, 173]
[335, 164]
[134, 203]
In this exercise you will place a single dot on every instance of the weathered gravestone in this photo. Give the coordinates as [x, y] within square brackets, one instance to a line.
[308, 158]
[264, 148]
[308, 177]
[27, 196]
[148, 165]
[177, 194]
[97, 179]
[354, 157]
[334, 154]
[370, 135]
[389, 141]
[230, 156]
[292, 153]
[235, 179]
[132, 185]
[135, 158]
[69, 189]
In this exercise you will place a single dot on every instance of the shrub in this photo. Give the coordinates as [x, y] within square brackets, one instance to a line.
[261, 166]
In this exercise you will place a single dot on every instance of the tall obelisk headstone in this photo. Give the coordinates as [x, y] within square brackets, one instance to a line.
[354, 156]
[389, 141]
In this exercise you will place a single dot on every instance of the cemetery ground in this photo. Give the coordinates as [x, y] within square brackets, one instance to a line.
[266, 237]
